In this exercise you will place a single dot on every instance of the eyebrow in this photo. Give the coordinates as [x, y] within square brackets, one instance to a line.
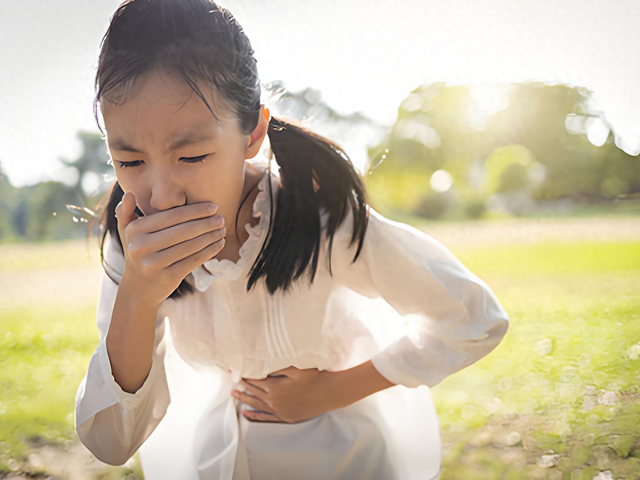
[180, 139]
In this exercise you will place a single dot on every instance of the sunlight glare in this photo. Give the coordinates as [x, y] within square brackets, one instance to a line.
[487, 99]
[419, 132]
[441, 181]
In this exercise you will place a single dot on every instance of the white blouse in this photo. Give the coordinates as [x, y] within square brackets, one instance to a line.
[407, 303]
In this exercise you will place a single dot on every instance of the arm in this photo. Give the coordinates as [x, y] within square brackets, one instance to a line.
[114, 417]
[454, 317]
[354, 384]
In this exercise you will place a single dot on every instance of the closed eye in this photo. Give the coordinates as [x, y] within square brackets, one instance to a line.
[185, 159]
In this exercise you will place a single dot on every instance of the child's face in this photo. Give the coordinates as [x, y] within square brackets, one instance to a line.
[158, 111]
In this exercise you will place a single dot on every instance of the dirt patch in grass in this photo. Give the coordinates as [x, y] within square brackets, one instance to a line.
[532, 230]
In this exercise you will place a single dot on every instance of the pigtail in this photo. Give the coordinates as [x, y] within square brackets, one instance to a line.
[316, 176]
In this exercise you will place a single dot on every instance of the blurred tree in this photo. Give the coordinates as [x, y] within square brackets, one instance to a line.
[7, 195]
[537, 118]
[91, 165]
[43, 200]
[529, 138]
[19, 215]
[39, 212]
[508, 168]
[621, 171]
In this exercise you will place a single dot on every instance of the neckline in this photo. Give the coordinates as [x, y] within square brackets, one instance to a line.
[214, 269]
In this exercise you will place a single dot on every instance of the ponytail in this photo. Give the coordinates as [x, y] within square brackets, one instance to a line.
[316, 175]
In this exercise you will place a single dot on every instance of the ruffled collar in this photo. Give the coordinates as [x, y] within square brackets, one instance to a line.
[215, 268]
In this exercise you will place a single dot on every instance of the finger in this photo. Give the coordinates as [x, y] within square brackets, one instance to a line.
[176, 216]
[252, 389]
[125, 211]
[261, 417]
[261, 384]
[252, 401]
[285, 371]
[266, 384]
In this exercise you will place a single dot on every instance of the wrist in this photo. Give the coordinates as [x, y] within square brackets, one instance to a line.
[356, 383]
[130, 293]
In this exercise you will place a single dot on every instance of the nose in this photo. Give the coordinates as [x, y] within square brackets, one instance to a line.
[166, 193]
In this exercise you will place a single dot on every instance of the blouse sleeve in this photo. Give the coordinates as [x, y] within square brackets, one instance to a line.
[110, 422]
[454, 317]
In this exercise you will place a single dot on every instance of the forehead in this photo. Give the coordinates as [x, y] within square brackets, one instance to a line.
[163, 102]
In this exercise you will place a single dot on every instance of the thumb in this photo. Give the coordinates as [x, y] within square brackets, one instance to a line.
[125, 211]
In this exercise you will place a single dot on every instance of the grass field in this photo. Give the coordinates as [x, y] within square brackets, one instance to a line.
[558, 399]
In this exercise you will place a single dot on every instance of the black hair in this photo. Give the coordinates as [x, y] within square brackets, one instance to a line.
[199, 40]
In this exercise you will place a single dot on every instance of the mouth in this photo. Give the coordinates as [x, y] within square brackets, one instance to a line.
[139, 212]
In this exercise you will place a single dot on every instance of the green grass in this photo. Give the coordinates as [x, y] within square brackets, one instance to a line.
[574, 311]
[551, 259]
[44, 352]
[20, 257]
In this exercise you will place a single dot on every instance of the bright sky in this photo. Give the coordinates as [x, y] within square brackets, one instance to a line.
[363, 55]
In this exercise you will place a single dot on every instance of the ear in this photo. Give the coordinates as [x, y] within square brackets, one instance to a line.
[257, 136]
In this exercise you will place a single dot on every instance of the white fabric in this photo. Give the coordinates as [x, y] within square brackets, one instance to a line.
[407, 303]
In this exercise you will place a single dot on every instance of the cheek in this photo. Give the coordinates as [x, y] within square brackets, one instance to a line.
[124, 180]
[130, 181]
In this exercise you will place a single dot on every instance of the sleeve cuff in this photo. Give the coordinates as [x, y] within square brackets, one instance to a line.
[391, 372]
[126, 399]
[428, 360]
[401, 363]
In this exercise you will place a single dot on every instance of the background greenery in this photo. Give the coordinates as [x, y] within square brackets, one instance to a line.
[454, 152]
[520, 194]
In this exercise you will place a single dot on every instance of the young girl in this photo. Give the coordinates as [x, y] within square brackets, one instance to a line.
[316, 330]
